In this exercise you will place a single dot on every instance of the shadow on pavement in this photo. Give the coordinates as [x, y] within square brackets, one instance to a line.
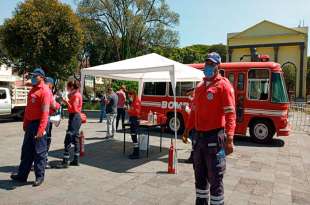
[8, 169]
[11, 185]
[7, 120]
[108, 155]
[247, 141]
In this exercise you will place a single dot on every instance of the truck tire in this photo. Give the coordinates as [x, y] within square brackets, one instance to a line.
[180, 123]
[262, 131]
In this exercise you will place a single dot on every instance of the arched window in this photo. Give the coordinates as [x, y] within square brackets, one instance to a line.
[289, 70]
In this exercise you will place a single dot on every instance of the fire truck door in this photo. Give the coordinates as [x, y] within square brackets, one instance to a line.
[240, 95]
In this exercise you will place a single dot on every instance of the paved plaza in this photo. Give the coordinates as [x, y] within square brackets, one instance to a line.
[274, 174]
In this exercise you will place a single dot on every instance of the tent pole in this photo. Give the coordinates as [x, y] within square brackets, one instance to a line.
[175, 119]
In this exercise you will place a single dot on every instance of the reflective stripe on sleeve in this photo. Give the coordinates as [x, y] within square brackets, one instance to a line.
[229, 109]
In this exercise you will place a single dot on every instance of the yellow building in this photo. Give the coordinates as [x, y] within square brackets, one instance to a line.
[287, 46]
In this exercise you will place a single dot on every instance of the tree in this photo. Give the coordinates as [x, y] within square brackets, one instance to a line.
[133, 26]
[43, 33]
[97, 43]
[289, 70]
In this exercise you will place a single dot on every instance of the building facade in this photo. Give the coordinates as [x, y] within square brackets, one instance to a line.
[287, 46]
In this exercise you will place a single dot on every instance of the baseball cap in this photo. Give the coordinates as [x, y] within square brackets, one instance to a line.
[214, 57]
[38, 72]
[50, 80]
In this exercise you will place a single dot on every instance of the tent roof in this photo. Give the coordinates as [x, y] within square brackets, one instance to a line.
[147, 68]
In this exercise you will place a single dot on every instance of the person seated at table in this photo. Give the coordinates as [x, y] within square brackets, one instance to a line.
[134, 113]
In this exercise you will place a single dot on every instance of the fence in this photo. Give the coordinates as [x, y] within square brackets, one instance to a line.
[299, 116]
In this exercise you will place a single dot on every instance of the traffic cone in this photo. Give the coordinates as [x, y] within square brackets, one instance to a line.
[82, 147]
[172, 159]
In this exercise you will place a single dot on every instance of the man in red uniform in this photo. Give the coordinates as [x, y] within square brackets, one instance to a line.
[213, 117]
[134, 114]
[35, 121]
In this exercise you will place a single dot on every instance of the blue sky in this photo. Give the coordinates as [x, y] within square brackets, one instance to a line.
[208, 22]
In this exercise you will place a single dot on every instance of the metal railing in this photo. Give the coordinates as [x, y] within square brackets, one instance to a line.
[299, 116]
[19, 96]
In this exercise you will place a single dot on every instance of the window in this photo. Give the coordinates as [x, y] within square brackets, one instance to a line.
[258, 84]
[240, 85]
[181, 88]
[231, 78]
[154, 88]
[2, 94]
[279, 94]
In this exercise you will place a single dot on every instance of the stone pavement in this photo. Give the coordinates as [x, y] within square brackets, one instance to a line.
[275, 174]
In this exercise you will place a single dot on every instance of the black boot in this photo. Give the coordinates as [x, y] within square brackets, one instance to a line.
[16, 177]
[200, 201]
[76, 161]
[135, 154]
[64, 164]
[190, 159]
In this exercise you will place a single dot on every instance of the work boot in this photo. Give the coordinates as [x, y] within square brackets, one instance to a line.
[48, 166]
[16, 177]
[201, 201]
[38, 182]
[135, 154]
[76, 161]
[64, 164]
[190, 159]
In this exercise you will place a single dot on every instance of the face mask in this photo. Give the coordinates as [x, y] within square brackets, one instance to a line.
[34, 80]
[209, 71]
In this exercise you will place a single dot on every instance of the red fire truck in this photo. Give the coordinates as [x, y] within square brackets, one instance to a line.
[261, 99]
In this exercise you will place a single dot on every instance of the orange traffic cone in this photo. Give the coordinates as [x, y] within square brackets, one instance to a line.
[172, 159]
[82, 147]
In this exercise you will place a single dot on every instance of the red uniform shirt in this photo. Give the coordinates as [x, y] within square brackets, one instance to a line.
[213, 106]
[37, 108]
[54, 106]
[75, 102]
[135, 108]
[121, 98]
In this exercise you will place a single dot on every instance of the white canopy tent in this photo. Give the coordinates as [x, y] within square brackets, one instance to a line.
[147, 68]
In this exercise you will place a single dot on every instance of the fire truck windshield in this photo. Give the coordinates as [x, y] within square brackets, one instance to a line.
[279, 93]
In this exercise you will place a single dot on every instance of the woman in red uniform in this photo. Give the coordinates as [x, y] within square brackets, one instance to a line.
[74, 104]
[134, 114]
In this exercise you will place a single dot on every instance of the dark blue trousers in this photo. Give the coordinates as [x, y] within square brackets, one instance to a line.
[72, 136]
[209, 166]
[33, 151]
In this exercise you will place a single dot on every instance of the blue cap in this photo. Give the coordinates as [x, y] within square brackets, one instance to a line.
[49, 80]
[214, 57]
[38, 72]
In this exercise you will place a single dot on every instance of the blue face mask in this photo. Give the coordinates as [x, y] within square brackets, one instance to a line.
[34, 80]
[209, 71]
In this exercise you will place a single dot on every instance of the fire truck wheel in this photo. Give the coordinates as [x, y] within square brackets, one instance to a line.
[262, 131]
[180, 123]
